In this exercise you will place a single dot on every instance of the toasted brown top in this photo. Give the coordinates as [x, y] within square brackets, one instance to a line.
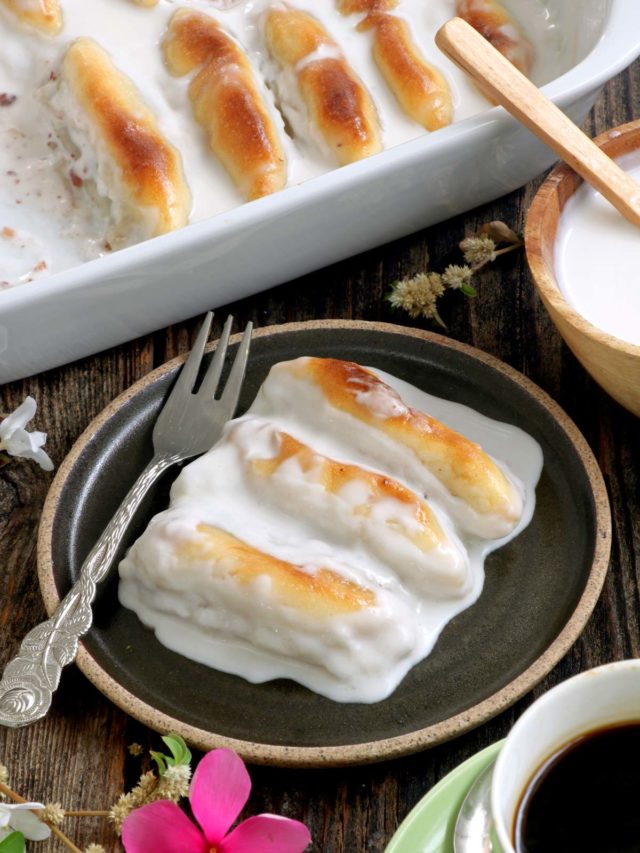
[420, 88]
[460, 464]
[43, 15]
[338, 102]
[151, 167]
[334, 475]
[342, 108]
[348, 7]
[292, 35]
[193, 39]
[241, 131]
[492, 21]
[322, 594]
[227, 102]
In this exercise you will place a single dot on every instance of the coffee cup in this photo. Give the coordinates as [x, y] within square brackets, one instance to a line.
[590, 711]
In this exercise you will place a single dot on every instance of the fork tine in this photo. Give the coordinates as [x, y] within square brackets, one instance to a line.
[231, 391]
[212, 376]
[189, 373]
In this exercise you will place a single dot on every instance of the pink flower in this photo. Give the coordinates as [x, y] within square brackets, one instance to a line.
[219, 791]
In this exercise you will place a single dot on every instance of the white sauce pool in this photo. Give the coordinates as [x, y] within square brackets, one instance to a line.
[57, 225]
[358, 658]
[597, 260]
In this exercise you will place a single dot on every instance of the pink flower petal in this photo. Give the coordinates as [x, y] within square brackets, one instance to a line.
[219, 790]
[267, 833]
[163, 828]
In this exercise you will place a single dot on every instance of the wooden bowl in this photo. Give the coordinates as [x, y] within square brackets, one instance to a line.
[613, 363]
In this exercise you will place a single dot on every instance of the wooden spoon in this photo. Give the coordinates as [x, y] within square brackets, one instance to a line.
[502, 83]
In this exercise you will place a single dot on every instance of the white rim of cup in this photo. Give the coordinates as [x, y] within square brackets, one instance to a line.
[579, 683]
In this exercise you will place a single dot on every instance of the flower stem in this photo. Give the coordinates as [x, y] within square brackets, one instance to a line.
[11, 794]
[54, 829]
[511, 248]
[86, 813]
[62, 837]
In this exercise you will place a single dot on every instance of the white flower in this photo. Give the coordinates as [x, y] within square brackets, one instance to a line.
[18, 442]
[19, 818]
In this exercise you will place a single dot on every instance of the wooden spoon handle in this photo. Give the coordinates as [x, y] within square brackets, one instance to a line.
[500, 81]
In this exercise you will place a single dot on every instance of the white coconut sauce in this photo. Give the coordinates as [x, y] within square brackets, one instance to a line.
[359, 657]
[64, 226]
[597, 258]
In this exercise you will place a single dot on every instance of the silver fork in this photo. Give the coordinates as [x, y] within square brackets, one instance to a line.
[187, 426]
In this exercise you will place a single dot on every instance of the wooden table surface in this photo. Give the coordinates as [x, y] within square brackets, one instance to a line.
[78, 756]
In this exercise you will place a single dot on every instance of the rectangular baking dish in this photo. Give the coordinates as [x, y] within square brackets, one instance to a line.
[105, 302]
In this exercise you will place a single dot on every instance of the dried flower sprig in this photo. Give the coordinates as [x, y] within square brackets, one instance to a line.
[478, 251]
[419, 295]
[38, 830]
[172, 782]
[482, 248]
[53, 814]
[217, 794]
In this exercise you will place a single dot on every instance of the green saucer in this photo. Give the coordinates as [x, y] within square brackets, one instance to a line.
[428, 828]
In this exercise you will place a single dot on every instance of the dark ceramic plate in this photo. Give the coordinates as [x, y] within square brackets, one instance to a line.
[539, 590]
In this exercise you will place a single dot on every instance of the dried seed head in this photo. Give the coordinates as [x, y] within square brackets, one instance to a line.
[418, 296]
[52, 813]
[478, 250]
[174, 784]
[457, 277]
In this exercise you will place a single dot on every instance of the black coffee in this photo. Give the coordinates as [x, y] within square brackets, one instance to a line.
[585, 798]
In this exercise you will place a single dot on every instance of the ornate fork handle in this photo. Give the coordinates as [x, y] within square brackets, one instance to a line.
[29, 680]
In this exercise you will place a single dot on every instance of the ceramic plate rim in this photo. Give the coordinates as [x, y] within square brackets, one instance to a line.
[385, 748]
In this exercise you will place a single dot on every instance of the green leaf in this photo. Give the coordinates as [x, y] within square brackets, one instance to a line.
[13, 843]
[389, 294]
[160, 760]
[179, 750]
[438, 319]
[468, 289]
[180, 754]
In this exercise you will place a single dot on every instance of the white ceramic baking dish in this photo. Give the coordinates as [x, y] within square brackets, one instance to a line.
[113, 299]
